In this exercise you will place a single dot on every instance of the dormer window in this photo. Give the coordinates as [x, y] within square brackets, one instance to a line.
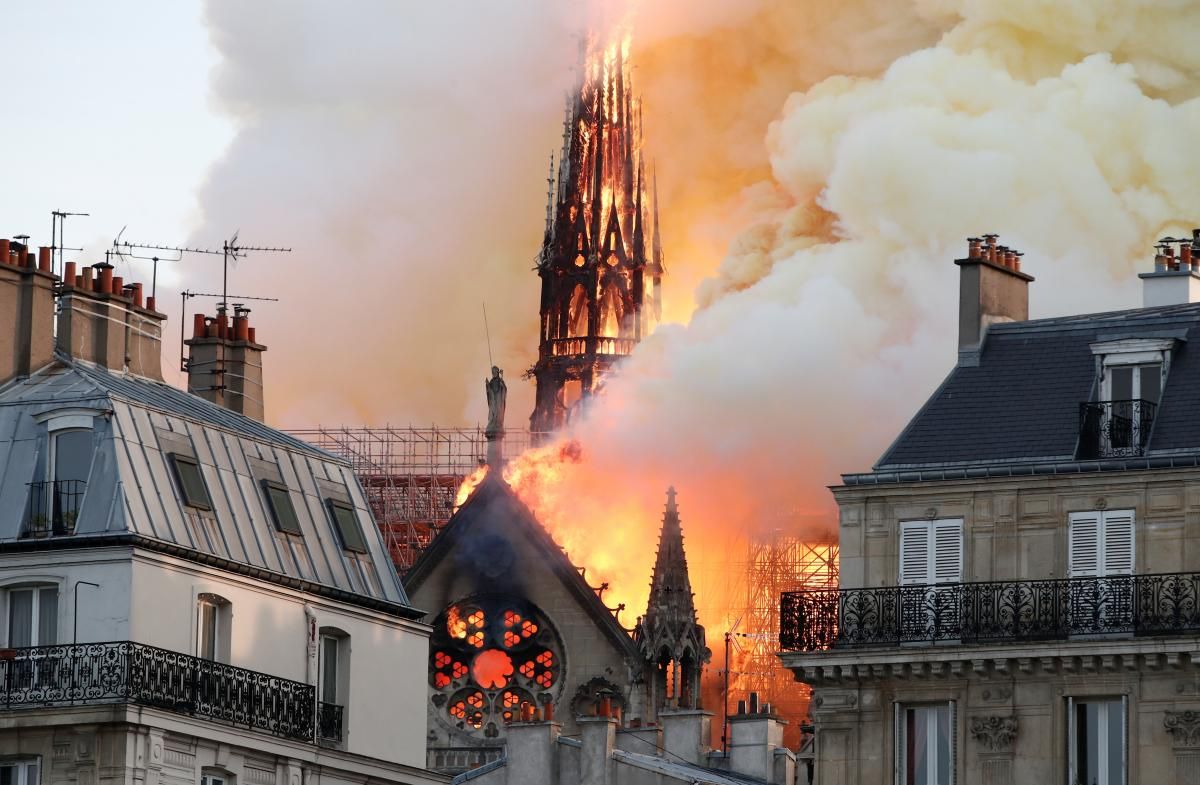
[191, 481]
[1132, 374]
[283, 512]
[346, 521]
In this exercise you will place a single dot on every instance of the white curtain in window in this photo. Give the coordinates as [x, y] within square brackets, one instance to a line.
[20, 619]
[47, 617]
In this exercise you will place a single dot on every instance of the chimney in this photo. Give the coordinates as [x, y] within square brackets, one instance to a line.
[992, 289]
[756, 744]
[599, 737]
[531, 751]
[224, 363]
[1175, 279]
[103, 321]
[26, 310]
[686, 733]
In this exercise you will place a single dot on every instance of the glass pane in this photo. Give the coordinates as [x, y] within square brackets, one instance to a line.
[47, 617]
[1116, 744]
[1122, 383]
[191, 482]
[72, 455]
[329, 669]
[208, 631]
[31, 774]
[347, 523]
[1150, 378]
[942, 714]
[8, 775]
[20, 620]
[283, 509]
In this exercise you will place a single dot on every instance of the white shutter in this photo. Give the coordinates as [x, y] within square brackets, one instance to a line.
[1117, 534]
[1083, 546]
[914, 553]
[947, 551]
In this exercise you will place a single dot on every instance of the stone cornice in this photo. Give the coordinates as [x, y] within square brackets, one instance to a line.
[849, 666]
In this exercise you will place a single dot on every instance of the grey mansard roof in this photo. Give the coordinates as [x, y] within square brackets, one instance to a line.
[132, 496]
[1020, 403]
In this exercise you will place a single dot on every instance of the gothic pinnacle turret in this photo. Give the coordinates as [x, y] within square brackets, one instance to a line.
[595, 272]
[669, 635]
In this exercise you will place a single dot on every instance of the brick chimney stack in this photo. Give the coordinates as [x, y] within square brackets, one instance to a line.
[992, 289]
[225, 362]
[1176, 277]
[104, 321]
[26, 310]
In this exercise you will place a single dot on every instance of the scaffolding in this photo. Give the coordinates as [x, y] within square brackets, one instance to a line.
[776, 563]
[410, 475]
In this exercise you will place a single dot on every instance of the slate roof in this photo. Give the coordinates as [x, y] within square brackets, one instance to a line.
[131, 489]
[1020, 404]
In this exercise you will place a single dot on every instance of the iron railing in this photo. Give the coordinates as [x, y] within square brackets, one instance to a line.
[1115, 429]
[329, 722]
[125, 672]
[53, 507]
[1002, 611]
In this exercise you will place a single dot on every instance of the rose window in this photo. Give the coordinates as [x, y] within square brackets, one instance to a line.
[493, 661]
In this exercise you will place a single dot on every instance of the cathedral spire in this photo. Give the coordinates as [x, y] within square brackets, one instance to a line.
[669, 635]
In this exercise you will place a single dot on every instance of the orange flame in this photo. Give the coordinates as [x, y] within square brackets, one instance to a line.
[456, 626]
[468, 486]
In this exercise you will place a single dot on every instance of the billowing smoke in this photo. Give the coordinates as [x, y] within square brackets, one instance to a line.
[820, 165]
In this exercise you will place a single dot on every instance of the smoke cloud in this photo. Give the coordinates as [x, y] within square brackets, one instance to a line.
[819, 166]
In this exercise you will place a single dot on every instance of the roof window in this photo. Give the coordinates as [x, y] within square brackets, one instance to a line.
[279, 502]
[191, 481]
[346, 521]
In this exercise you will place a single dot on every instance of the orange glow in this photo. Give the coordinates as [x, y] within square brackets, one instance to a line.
[456, 627]
[492, 668]
[468, 487]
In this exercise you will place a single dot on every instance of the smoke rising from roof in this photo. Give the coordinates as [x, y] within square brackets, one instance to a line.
[840, 152]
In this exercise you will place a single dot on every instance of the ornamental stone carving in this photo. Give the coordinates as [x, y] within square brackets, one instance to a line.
[1184, 727]
[995, 733]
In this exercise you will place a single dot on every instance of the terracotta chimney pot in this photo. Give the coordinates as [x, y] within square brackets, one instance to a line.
[150, 304]
[5, 252]
[69, 274]
[118, 286]
[44, 259]
[86, 283]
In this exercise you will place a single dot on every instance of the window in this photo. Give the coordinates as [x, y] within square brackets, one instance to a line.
[283, 512]
[32, 617]
[346, 521]
[72, 455]
[215, 777]
[19, 772]
[191, 481]
[931, 552]
[925, 744]
[1100, 544]
[213, 627]
[1097, 741]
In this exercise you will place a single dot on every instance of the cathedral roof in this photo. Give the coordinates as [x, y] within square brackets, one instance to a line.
[495, 500]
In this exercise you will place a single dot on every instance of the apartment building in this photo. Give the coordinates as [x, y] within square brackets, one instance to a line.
[1020, 571]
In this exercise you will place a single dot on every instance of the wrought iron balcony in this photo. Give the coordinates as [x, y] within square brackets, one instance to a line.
[329, 722]
[125, 672]
[993, 612]
[53, 507]
[1115, 429]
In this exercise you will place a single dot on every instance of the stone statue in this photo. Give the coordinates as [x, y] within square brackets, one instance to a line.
[497, 398]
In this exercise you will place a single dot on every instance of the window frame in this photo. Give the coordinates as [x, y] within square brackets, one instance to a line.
[176, 460]
[268, 487]
[1102, 543]
[332, 506]
[23, 766]
[221, 626]
[900, 720]
[35, 633]
[1074, 702]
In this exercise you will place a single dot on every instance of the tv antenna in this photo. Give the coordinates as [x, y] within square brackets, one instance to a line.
[234, 250]
[186, 295]
[158, 253]
[58, 243]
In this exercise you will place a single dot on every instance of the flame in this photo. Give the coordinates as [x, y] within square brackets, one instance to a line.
[456, 626]
[468, 486]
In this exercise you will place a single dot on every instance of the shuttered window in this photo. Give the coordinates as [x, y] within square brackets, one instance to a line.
[1100, 543]
[931, 552]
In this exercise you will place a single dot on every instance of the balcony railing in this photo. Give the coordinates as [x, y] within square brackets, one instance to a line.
[994, 612]
[125, 672]
[53, 507]
[1115, 429]
[329, 722]
[568, 347]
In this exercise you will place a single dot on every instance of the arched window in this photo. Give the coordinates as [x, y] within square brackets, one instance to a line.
[333, 683]
[494, 660]
[214, 627]
[577, 318]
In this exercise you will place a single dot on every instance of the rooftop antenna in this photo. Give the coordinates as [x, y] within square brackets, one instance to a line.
[170, 253]
[233, 250]
[58, 243]
[487, 332]
[186, 295]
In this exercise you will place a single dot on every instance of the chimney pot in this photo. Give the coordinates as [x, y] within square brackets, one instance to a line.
[86, 285]
[30, 260]
[241, 328]
[250, 335]
[548, 712]
[104, 271]
[118, 286]
[1185, 255]
[5, 252]
[150, 304]
[753, 709]
[222, 323]
[210, 327]
[989, 293]
[44, 259]
[973, 247]
[69, 274]
[198, 328]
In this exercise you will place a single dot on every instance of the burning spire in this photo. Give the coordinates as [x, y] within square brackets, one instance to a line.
[595, 270]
